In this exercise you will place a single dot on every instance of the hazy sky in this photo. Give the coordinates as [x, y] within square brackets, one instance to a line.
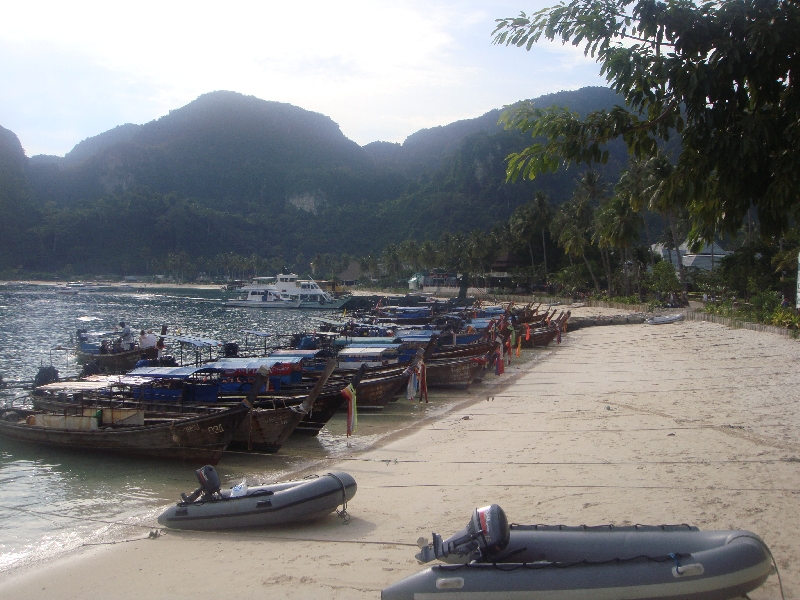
[381, 70]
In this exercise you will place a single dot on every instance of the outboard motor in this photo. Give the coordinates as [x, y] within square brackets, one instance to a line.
[45, 375]
[231, 350]
[209, 485]
[486, 535]
[92, 368]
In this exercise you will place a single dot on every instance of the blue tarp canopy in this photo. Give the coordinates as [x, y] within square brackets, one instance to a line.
[367, 341]
[253, 364]
[289, 352]
[146, 374]
[353, 351]
[192, 340]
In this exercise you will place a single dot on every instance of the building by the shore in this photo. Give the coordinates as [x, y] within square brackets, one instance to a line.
[707, 259]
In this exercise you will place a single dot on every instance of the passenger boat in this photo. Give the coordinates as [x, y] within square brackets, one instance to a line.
[99, 348]
[263, 296]
[212, 508]
[676, 562]
[308, 291]
[200, 438]
[286, 291]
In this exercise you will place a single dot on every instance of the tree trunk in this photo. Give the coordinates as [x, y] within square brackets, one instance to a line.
[596, 284]
[647, 237]
[607, 266]
[544, 253]
[530, 249]
[639, 280]
[681, 270]
[625, 271]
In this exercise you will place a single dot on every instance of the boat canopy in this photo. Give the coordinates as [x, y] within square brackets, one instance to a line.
[351, 352]
[249, 366]
[295, 352]
[330, 322]
[417, 335]
[168, 372]
[367, 341]
[262, 334]
[198, 342]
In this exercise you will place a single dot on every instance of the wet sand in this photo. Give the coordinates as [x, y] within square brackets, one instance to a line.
[686, 423]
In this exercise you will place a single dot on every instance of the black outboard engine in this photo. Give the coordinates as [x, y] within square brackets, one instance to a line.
[45, 375]
[231, 350]
[486, 535]
[209, 485]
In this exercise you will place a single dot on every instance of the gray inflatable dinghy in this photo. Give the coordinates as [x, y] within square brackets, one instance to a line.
[674, 562]
[210, 508]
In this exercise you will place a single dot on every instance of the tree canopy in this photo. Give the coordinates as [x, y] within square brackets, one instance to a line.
[718, 74]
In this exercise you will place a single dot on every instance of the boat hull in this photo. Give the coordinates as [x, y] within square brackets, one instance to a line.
[119, 362]
[200, 439]
[269, 505]
[252, 304]
[458, 374]
[693, 565]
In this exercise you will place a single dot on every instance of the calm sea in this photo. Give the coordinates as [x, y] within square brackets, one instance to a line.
[52, 501]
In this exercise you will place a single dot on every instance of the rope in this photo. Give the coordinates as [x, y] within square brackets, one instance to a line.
[39, 513]
[772, 558]
[342, 514]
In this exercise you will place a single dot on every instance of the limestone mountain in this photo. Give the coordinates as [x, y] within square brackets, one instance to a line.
[233, 173]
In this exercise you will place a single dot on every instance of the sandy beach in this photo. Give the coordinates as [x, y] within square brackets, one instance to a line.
[687, 423]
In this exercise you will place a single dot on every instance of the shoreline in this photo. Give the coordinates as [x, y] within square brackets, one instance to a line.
[628, 424]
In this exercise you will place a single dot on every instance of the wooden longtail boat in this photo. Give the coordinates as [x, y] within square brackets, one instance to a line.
[267, 429]
[458, 373]
[198, 439]
[118, 362]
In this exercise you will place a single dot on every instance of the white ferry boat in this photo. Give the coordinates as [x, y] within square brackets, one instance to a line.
[287, 287]
[263, 295]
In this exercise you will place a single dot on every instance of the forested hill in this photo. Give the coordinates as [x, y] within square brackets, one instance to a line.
[233, 173]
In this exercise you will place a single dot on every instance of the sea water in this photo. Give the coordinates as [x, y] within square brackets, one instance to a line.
[53, 501]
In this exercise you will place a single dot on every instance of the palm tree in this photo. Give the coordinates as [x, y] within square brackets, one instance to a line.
[523, 226]
[409, 252]
[529, 220]
[391, 261]
[618, 226]
[572, 228]
[541, 216]
[668, 194]
[428, 256]
[633, 185]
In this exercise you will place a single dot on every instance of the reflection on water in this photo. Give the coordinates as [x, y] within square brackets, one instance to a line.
[52, 501]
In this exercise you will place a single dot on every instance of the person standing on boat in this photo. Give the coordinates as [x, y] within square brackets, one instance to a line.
[126, 337]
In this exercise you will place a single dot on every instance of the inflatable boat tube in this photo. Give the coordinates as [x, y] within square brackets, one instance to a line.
[263, 505]
[593, 563]
[665, 320]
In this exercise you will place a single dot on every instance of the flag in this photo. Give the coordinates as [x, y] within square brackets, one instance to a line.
[499, 367]
[352, 411]
[422, 376]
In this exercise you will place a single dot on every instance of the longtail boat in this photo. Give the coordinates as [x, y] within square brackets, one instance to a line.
[192, 438]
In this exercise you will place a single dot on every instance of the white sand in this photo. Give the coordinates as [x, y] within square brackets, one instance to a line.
[687, 423]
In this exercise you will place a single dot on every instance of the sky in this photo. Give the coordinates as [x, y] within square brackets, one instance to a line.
[381, 70]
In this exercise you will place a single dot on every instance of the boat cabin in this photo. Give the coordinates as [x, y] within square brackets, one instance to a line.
[352, 358]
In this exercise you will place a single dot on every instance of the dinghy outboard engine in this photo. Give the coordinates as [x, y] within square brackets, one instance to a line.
[209, 485]
[486, 535]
